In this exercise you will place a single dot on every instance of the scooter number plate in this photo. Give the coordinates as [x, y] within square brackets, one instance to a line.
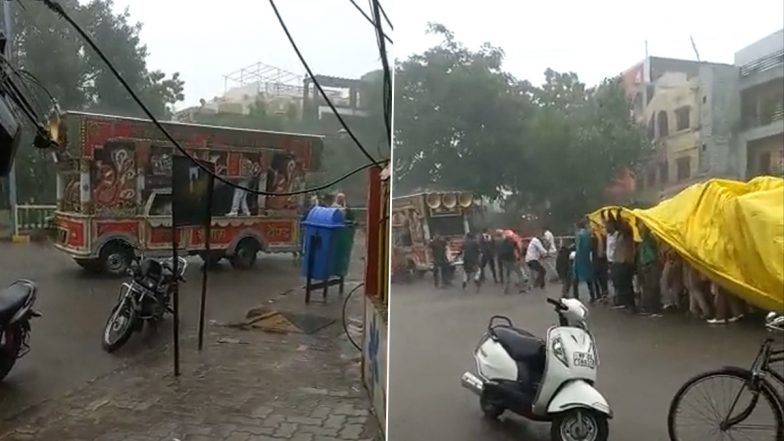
[584, 359]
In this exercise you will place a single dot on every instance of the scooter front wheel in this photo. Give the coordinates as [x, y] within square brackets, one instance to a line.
[579, 425]
[489, 409]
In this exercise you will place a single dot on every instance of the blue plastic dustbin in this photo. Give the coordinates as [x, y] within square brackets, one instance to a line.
[322, 224]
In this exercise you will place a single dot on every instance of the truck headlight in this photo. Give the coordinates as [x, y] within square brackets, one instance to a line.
[560, 353]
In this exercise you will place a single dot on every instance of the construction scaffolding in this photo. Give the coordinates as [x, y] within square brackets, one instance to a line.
[270, 80]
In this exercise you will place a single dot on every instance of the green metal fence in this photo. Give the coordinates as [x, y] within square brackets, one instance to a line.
[30, 218]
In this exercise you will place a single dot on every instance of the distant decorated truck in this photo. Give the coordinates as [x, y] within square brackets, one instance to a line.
[418, 218]
[114, 191]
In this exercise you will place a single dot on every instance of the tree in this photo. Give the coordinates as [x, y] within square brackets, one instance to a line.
[457, 117]
[461, 122]
[50, 49]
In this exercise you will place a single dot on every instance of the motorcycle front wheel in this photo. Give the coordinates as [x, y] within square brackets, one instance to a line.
[579, 425]
[10, 346]
[119, 326]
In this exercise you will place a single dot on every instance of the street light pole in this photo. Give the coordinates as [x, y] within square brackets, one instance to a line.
[8, 22]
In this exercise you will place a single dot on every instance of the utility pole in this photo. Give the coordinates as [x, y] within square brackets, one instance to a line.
[8, 21]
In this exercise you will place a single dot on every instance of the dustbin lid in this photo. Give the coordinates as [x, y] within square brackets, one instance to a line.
[325, 217]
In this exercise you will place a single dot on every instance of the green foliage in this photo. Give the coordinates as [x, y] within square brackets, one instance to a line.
[462, 122]
[50, 49]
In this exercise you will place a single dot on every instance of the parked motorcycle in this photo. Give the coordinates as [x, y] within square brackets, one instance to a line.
[145, 298]
[16, 310]
[551, 380]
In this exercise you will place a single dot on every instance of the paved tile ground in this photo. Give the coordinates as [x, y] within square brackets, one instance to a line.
[245, 386]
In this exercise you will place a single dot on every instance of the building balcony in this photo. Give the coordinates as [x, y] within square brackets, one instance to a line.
[764, 125]
[762, 70]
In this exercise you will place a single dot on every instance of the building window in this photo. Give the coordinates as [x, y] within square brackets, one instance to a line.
[684, 168]
[664, 173]
[764, 164]
[663, 123]
[682, 118]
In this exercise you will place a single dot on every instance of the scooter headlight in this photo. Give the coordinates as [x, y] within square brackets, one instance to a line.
[559, 351]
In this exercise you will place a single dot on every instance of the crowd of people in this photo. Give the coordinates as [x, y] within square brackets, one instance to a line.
[507, 256]
[645, 277]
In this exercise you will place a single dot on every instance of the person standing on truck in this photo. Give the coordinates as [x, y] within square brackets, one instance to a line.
[240, 200]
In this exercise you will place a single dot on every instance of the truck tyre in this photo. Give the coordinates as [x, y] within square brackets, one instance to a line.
[245, 254]
[116, 258]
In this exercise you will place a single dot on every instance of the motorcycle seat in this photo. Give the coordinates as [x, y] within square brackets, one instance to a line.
[519, 344]
[12, 299]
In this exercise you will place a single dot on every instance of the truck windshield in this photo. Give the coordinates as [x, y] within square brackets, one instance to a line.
[447, 225]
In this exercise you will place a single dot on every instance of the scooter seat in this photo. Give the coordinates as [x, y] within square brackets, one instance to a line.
[519, 344]
[12, 299]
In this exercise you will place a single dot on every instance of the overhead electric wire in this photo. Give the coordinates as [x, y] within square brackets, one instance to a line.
[19, 98]
[318, 86]
[387, 80]
[384, 13]
[59, 10]
[33, 79]
[370, 20]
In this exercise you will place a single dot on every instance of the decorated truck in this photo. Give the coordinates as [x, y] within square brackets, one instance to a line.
[418, 218]
[114, 192]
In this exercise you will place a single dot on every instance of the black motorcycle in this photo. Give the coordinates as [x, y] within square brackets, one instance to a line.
[16, 310]
[145, 298]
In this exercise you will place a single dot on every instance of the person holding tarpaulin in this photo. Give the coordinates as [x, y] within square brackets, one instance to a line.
[623, 259]
[583, 268]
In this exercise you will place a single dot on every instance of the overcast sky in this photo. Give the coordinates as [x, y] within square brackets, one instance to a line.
[596, 38]
[205, 40]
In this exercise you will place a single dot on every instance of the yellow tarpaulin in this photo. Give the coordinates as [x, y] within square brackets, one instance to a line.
[731, 231]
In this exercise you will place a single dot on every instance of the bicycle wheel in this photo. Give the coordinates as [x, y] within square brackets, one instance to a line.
[705, 401]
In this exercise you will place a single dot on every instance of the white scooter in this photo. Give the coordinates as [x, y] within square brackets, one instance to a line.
[550, 380]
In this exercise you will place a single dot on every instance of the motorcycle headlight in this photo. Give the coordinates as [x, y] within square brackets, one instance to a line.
[149, 284]
[559, 351]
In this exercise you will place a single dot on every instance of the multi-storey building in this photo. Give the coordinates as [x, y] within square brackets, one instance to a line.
[710, 119]
[761, 128]
[689, 109]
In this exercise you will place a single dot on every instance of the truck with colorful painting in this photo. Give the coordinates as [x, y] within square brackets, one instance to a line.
[114, 192]
[418, 218]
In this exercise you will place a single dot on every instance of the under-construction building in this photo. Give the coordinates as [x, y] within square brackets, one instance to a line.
[281, 92]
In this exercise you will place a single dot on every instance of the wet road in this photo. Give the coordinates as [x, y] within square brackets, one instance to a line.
[644, 361]
[66, 351]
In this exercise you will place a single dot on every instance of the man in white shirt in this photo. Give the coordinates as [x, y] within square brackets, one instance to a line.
[533, 256]
[548, 241]
[612, 239]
